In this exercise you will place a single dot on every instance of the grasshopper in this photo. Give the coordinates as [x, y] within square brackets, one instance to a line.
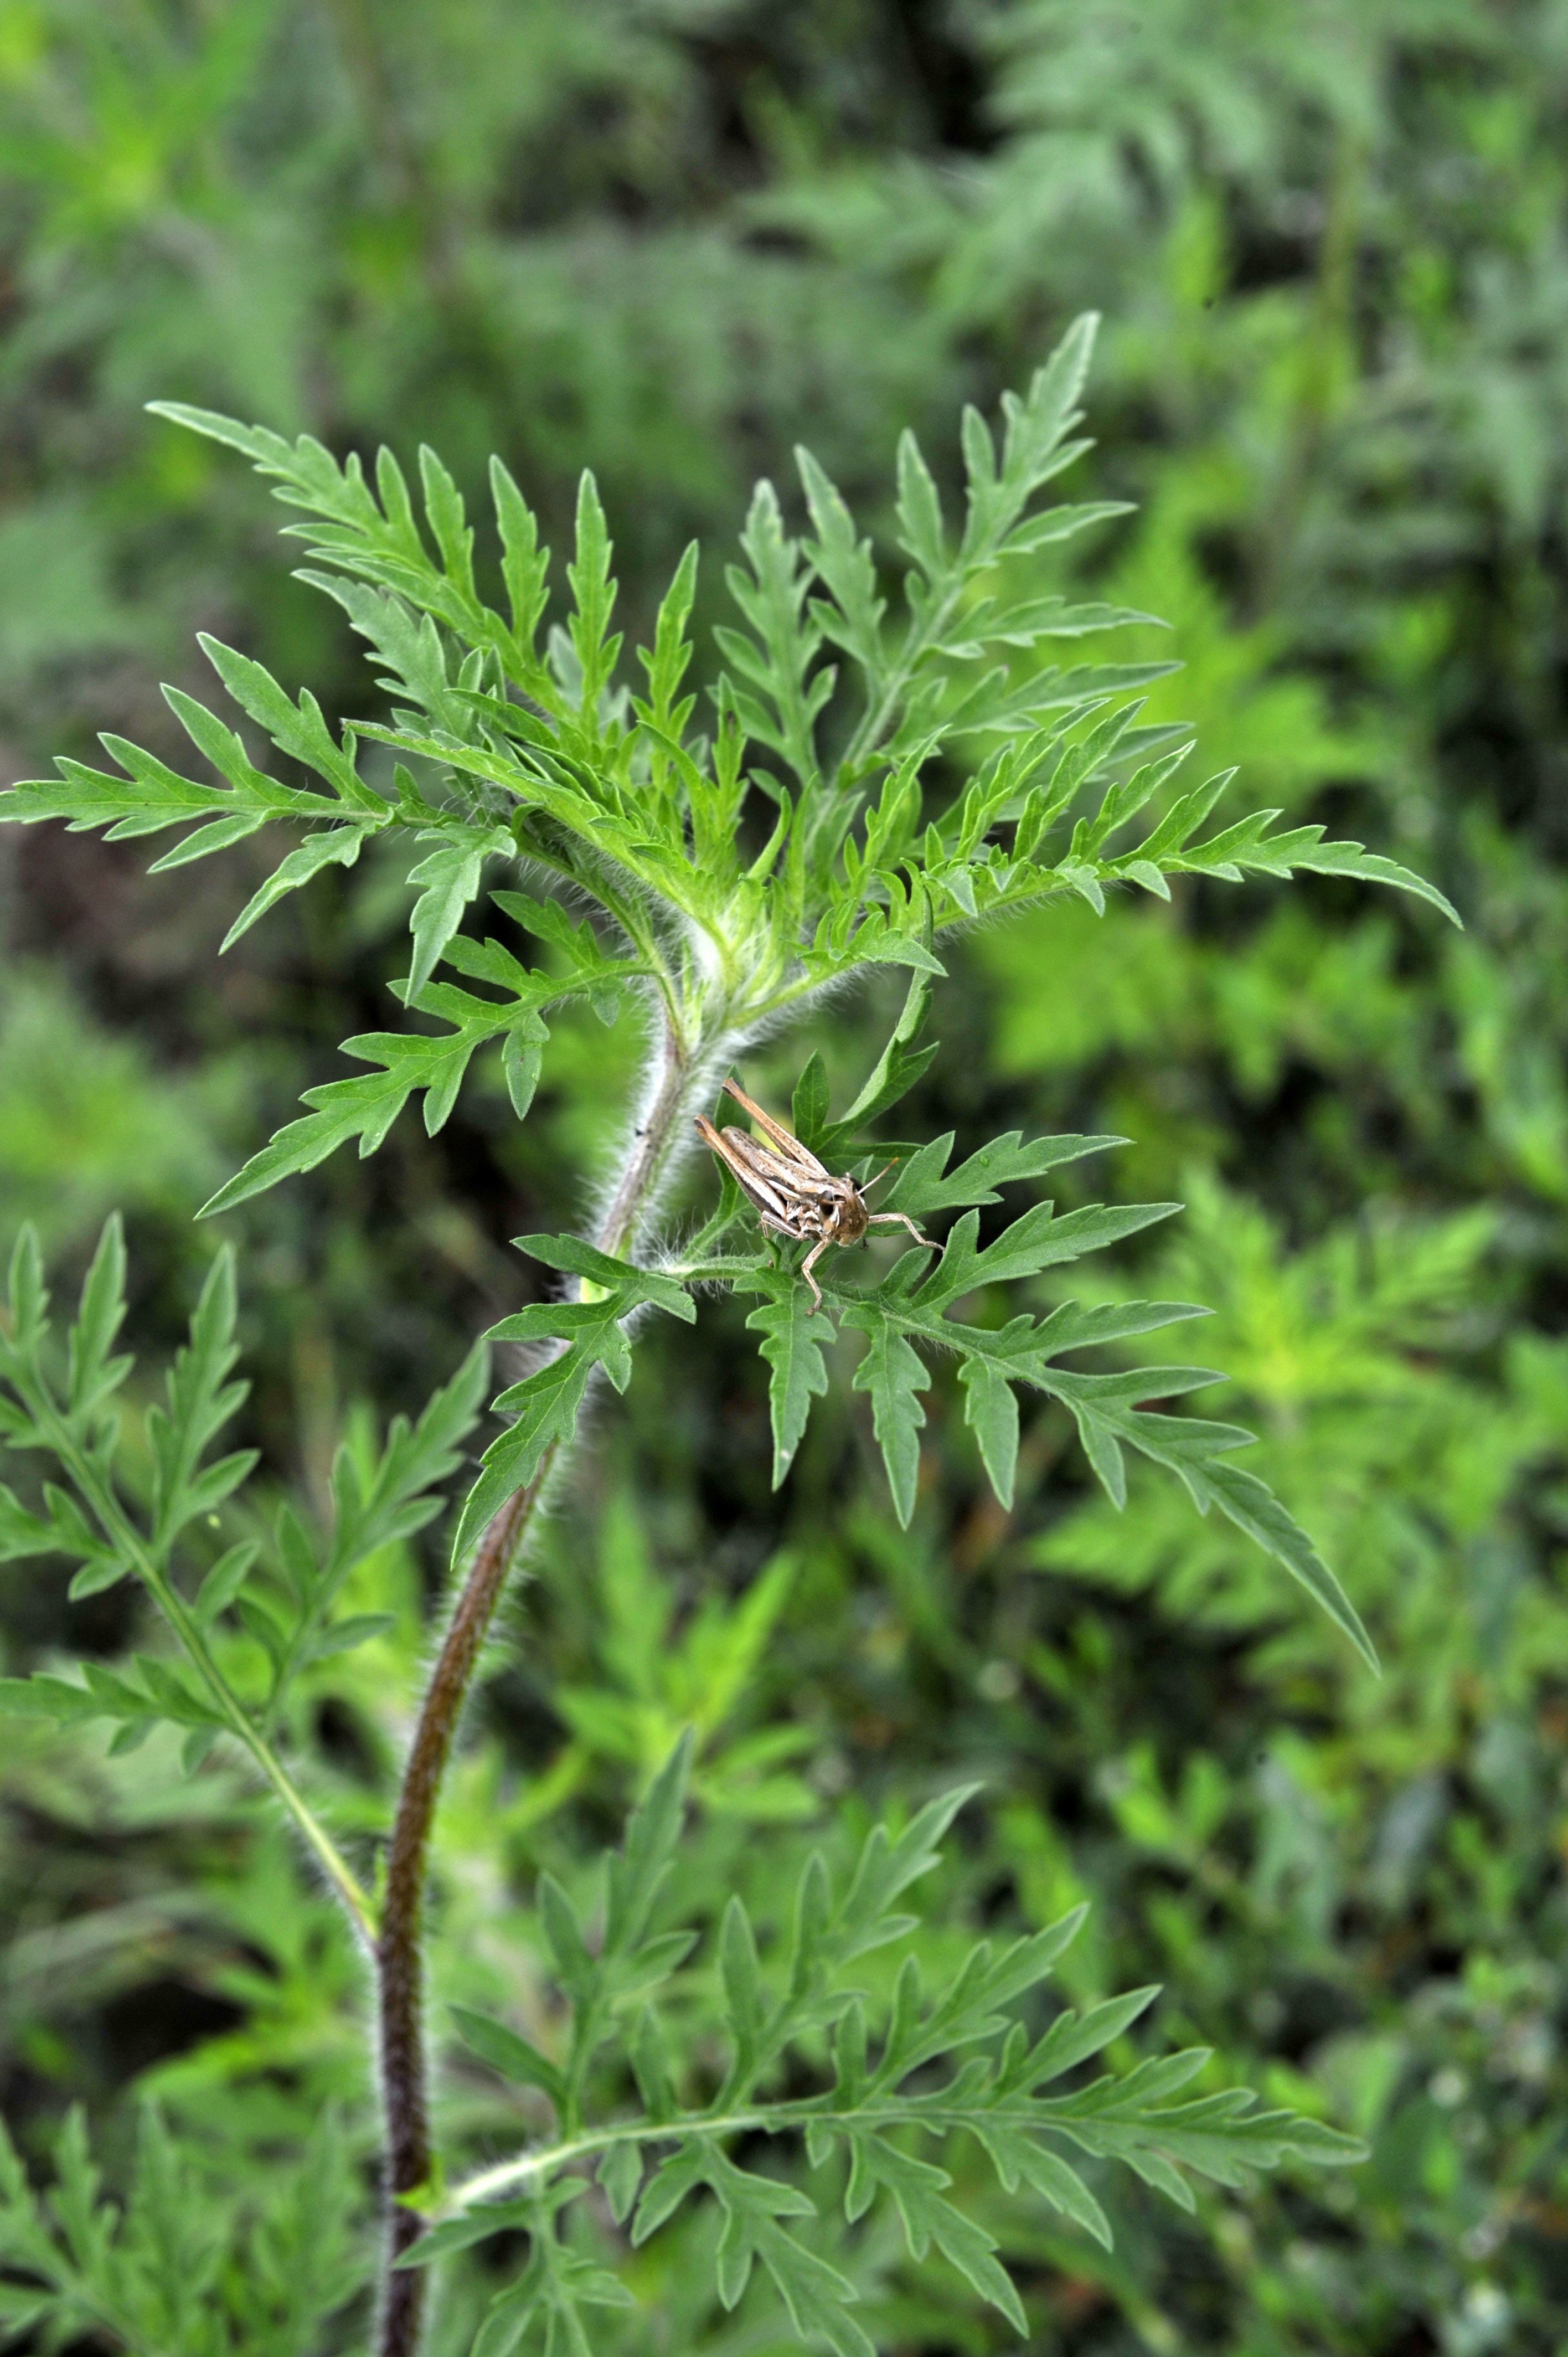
[792, 1192]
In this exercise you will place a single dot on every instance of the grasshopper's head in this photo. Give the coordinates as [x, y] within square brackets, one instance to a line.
[845, 1217]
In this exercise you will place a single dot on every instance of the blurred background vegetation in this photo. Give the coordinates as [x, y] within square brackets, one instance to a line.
[669, 238]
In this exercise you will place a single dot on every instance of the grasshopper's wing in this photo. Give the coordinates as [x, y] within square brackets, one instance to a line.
[785, 1140]
[764, 1178]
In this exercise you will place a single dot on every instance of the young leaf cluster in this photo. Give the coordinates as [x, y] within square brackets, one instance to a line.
[966, 2059]
[735, 851]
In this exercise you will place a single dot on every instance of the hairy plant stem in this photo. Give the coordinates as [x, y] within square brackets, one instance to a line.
[399, 1957]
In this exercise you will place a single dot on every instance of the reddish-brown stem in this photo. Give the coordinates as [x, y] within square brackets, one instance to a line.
[400, 1954]
[400, 1948]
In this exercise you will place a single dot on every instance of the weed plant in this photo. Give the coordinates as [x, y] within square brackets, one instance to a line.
[861, 791]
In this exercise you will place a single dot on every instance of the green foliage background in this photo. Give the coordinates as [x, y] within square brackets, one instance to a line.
[668, 240]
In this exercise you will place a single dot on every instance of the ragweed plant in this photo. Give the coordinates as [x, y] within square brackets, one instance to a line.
[854, 788]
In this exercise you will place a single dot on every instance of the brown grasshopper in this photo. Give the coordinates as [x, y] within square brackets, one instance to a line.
[792, 1192]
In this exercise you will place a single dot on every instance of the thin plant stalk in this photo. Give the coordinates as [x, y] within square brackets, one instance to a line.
[675, 1083]
[400, 1950]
